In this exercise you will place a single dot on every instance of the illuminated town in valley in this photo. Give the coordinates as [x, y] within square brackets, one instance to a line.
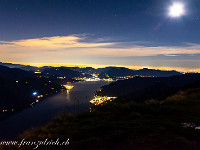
[101, 99]
[68, 87]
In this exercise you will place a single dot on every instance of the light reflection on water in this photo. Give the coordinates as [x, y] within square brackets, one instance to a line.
[67, 97]
[73, 101]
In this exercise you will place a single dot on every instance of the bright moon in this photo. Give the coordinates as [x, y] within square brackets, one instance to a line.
[176, 10]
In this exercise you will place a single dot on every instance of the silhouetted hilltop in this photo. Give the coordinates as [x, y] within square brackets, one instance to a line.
[17, 87]
[124, 87]
[24, 67]
[14, 73]
[60, 71]
[86, 70]
[13, 97]
[11, 65]
[18, 95]
[13, 94]
[157, 90]
[156, 73]
[122, 71]
[113, 72]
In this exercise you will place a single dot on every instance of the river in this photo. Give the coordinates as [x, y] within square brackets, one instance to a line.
[73, 101]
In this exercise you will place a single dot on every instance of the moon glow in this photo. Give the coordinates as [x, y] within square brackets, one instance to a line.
[176, 10]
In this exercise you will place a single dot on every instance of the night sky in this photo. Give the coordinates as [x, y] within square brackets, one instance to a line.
[131, 33]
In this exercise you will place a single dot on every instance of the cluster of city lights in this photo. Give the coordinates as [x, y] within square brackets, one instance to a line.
[68, 87]
[93, 79]
[101, 99]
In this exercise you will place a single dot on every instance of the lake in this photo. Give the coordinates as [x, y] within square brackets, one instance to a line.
[72, 101]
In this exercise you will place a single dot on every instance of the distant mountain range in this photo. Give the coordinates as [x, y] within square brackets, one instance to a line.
[108, 72]
[121, 72]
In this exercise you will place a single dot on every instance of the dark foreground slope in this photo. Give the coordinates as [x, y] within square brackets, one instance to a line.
[153, 125]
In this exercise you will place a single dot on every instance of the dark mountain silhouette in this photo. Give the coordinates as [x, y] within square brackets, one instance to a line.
[19, 95]
[14, 73]
[156, 73]
[60, 71]
[11, 65]
[13, 97]
[111, 72]
[23, 67]
[11, 94]
[115, 72]
[122, 71]
[147, 86]
[87, 70]
[156, 91]
[17, 87]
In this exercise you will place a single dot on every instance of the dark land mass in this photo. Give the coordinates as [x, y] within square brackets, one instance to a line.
[17, 87]
[113, 72]
[156, 73]
[107, 72]
[60, 71]
[14, 73]
[23, 67]
[168, 124]
[144, 85]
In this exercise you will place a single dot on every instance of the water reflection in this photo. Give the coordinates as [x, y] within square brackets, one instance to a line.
[73, 101]
[67, 95]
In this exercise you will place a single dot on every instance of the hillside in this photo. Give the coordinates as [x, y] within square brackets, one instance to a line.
[16, 96]
[12, 97]
[113, 72]
[17, 87]
[172, 123]
[14, 73]
[139, 84]
[60, 71]
[122, 71]
[156, 73]
[19, 66]
[11, 94]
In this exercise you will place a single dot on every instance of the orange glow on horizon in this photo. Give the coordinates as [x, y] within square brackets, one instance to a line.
[181, 69]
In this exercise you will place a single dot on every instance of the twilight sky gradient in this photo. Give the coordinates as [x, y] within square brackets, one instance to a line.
[130, 33]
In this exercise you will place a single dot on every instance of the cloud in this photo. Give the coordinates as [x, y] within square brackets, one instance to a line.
[145, 51]
[73, 47]
[54, 42]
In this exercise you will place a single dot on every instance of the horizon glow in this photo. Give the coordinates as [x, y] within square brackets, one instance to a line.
[180, 69]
